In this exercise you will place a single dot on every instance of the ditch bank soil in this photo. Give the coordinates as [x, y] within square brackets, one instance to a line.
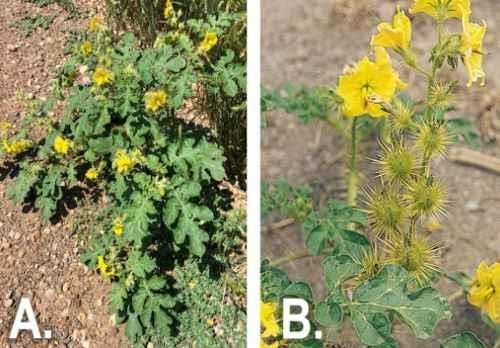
[309, 43]
[41, 260]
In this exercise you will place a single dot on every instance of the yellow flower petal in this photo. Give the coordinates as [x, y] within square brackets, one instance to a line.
[442, 10]
[396, 35]
[368, 81]
[209, 41]
[62, 145]
[471, 48]
[268, 319]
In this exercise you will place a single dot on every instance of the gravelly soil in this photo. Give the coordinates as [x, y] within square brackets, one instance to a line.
[40, 260]
[309, 43]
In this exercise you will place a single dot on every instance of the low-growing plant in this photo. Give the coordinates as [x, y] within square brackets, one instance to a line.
[112, 130]
[222, 90]
[28, 24]
[379, 265]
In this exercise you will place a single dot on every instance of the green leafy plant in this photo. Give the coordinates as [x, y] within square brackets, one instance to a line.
[379, 266]
[119, 137]
[27, 25]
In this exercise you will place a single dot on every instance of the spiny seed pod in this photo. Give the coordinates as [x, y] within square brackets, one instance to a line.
[426, 197]
[386, 211]
[432, 138]
[402, 115]
[419, 257]
[441, 94]
[397, 163]
[371, 262]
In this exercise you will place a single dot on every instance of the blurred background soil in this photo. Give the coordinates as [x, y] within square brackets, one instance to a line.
[309, 43]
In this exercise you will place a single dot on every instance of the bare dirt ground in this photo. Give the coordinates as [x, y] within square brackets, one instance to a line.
[309, 43]
[40, 260]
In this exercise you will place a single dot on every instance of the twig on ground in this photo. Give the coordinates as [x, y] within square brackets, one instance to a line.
[476, 159]
[278, 225]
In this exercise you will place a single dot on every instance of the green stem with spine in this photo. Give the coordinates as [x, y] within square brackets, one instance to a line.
[353, 176]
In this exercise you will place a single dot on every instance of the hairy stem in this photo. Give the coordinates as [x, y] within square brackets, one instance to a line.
[353, 176]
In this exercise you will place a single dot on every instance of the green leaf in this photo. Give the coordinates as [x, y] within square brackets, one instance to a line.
[133, 329]
[374, 329]
[338, 269]
[116, 298]
[136, 226]
[387, 292]
[290, 201]
[331, 224]
[306, 103]
[186, 219]
[300, 290]
[462, 340]
[22, 186]
[273, 282]
[140, 264]
[328, 313]
[197, 160]
[464, 130]
[176, 64]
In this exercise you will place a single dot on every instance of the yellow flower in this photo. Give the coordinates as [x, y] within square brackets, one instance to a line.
[17, 147]
[155, 100]
[102, 76]
[96, 23]
[169, 9]
[62, 145]
[396, 35]
[209, 41]
[268, 319]
[369, 84]
[86, 48]
[471, 46]
[442, 9]
[104, 268]
[485, 290]
[92, 173]
[192, 284]
[118, 226]
[123, 162]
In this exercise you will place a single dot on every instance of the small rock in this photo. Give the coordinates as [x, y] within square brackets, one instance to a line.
[8, 303]
[85, 343]
[12, 48]
[472, 206]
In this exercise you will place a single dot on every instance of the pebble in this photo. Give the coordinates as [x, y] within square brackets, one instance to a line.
[472, 206]
[8, 303]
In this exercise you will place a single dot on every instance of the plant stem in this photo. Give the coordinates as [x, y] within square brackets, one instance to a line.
[497, 343]
[456, 295]
[353, 178]
[290, 258]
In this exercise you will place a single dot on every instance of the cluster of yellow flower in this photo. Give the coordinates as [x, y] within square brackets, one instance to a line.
[368, 85]
[125, 161]
[485, 290]
[104, 269]
[118, 227]
[169, 9]
[269, 324]
[62, 145]
[96, 23]
[209, 41]
[86, 48]
[16, 147]
[102, 76]
[154, 100]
